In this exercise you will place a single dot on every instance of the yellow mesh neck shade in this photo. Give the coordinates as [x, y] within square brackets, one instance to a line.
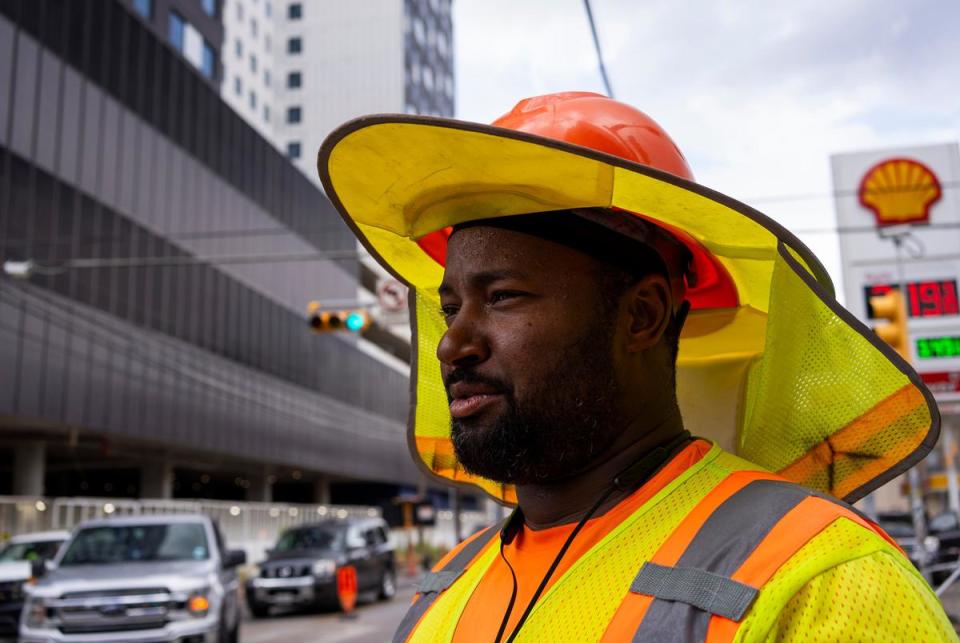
[788, 379]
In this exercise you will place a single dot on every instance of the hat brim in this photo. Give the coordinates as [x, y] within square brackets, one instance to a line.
[397, 178]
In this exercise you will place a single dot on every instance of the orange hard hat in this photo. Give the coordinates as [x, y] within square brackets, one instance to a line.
[600, 123]
[603, 124]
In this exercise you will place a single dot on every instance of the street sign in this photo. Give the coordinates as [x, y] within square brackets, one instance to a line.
[392, 296]
[913, 193]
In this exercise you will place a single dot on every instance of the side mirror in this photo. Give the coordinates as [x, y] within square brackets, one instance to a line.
[39, 568]
[234, 558]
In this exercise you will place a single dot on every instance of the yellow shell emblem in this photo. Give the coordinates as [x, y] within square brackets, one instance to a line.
[899, 191]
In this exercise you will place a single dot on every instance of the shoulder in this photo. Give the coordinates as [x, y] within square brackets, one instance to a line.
[847, 575]
[878, 596]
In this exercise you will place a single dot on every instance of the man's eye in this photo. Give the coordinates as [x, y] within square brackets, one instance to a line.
[448, 311]
[502, 295]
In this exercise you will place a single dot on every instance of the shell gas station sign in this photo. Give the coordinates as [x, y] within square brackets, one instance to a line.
[913, 195]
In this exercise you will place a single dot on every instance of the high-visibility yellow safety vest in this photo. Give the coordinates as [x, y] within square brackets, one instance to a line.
[724, 552]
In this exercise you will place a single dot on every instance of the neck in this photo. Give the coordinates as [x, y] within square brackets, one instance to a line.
[551, 504]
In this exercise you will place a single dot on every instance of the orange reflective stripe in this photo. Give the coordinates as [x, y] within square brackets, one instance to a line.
[634, 607]
[853, 436]
[796, 529]
[801, 524]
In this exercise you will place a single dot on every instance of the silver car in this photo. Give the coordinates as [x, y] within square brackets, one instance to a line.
[144, 578]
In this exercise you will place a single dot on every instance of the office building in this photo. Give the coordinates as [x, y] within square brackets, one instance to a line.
[160, 254]
[295, 69]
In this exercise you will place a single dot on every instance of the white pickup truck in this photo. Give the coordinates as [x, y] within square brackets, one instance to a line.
[145, 578]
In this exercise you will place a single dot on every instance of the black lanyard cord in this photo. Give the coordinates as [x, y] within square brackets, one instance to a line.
[553, 567]
[628, 478]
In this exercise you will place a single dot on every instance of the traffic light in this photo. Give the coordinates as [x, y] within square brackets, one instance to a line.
[890, 307]
[325, 321]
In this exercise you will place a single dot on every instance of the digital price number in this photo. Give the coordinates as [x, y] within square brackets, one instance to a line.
[933, 347]
[934, 298]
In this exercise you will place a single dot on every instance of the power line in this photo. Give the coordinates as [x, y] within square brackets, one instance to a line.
[596, 44]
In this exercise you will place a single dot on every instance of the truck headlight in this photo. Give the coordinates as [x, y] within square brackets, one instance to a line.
[35, 611]
[324, 567]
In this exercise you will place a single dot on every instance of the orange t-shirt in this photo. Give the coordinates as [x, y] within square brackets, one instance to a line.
[532, 552]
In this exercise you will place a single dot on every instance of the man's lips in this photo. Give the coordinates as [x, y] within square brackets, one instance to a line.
[469, 399]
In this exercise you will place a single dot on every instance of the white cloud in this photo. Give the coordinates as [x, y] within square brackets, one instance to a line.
[757, 94]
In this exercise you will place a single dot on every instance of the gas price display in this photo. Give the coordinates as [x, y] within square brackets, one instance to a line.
[932, 347]
[933, 298]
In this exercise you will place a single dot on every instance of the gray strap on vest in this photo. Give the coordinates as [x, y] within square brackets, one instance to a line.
[720, 547]
[709, 592]
[434, 583]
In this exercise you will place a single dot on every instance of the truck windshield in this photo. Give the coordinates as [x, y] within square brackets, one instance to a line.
[137, 543]
[307, 538]
[39, 550]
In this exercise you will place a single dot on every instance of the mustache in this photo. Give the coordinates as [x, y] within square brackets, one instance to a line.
[472, 377]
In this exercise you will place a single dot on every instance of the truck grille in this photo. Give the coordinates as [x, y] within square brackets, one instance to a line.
[285, 571]
[113, 611]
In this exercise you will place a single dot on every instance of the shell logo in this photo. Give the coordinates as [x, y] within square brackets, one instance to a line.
[899, 191]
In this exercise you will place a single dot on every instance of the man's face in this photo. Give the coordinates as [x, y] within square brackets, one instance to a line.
[527, 359]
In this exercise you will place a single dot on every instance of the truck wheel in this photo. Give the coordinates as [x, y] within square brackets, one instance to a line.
[388, 585]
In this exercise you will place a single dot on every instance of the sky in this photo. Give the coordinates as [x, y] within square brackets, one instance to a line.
[757, 94]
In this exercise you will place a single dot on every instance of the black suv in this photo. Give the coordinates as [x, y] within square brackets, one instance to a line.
[301, 571]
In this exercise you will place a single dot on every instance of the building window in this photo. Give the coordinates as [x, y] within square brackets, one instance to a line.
[238, 86]
[253, 63]
[253, 99]
[176, 27]
[266, 77]
[253, 27]
[294, 46]
[239, 11]
[268, 8]
[293, 114]
[295, 11]
[208, 64]
[294, 80]
[210, 7]
[144, 8]
[293, 150]
[266, 113]
[238, 46]
[266, 42]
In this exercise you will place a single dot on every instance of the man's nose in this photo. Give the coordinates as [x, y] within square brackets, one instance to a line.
[464, 344]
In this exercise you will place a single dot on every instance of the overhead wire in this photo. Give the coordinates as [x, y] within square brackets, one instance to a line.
[596, 45]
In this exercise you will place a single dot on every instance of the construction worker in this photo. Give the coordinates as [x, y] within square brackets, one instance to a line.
[657, 376]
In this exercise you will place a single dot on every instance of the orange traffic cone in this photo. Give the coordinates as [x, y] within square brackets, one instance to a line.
[347, 589]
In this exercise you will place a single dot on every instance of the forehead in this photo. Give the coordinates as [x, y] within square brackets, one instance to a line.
[485, 248]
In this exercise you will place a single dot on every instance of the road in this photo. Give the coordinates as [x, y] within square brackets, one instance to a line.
[374, 623]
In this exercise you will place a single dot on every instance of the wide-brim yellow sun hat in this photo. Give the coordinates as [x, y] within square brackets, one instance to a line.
[770, 366]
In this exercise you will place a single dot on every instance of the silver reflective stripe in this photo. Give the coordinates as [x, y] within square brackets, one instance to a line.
[722, 544]
[709, 592]
[436, 582]
[441, 580]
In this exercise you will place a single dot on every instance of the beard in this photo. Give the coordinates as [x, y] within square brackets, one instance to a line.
[557, 428]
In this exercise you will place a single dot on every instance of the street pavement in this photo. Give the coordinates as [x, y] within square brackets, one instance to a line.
[374, 622]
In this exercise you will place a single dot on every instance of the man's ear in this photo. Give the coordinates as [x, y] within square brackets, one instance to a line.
[649, 307]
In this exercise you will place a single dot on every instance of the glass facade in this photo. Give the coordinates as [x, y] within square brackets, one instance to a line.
[429, 87]
[177, 250]
[176, 30]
